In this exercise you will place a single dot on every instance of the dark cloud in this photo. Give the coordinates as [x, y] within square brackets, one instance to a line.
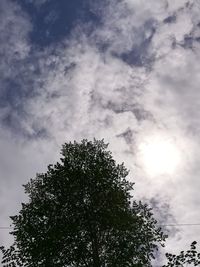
[170, 19]
[139, 112]
[127, 135]
[140, 54]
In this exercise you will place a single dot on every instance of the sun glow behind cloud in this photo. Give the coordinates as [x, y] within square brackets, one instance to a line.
[133, 81]
[159, 155]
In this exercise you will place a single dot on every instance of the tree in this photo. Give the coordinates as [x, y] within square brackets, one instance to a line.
[81, 213]
[191, 256]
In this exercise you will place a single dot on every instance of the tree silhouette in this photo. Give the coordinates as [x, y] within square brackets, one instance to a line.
[81, 213]
[191, 256]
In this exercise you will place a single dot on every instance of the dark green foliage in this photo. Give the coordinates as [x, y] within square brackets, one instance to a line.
[184, 258]
[81, 214]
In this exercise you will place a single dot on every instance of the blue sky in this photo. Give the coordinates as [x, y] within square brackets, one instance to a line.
[55, 20]
[126, 71]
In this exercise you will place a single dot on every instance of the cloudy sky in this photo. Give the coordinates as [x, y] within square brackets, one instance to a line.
[124, 70]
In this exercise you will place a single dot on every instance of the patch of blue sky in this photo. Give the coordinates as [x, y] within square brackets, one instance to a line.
[54, 20]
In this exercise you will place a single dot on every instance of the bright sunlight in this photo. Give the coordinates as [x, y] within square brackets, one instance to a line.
[159, 155]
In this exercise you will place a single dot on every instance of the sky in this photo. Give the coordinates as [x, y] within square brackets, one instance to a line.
[124, 70]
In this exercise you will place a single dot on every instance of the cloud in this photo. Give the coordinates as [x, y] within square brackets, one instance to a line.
[14, 50]
[133, 76]
[14, 28]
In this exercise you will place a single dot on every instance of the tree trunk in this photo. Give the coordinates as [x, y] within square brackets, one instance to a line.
[95, 251]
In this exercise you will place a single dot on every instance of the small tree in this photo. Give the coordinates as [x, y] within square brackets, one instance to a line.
[81, 214]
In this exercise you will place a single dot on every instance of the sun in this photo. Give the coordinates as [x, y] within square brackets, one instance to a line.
[159, 155]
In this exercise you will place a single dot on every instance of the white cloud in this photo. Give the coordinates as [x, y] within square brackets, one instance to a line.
[83, 91]
[14, 26]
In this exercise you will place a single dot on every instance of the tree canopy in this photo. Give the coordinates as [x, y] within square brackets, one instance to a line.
[81, 213]
[191, 256]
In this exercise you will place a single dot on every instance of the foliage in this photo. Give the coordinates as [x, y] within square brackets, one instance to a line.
[184, 258]
[81, 214]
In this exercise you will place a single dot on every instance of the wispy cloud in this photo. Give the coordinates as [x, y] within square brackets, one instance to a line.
[134, 75]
